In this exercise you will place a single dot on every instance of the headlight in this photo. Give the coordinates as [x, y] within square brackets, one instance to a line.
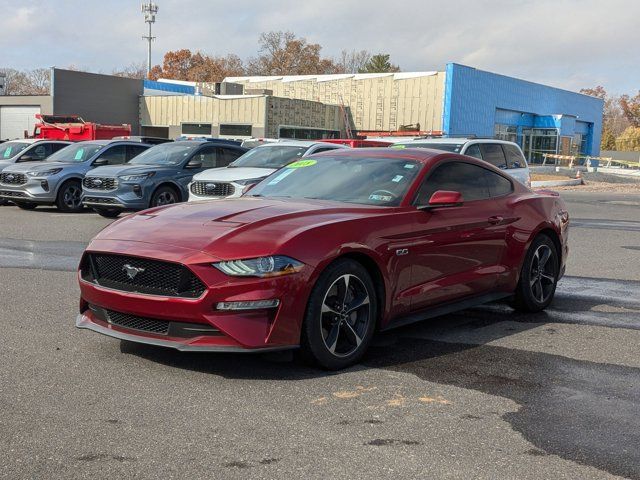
[248, 181]
[260, 267]
[136, 178]
[44, 173]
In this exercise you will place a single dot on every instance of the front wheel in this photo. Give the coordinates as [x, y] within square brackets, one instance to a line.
[341, 316]
[538, 277]
[68, 199]
[164, 196]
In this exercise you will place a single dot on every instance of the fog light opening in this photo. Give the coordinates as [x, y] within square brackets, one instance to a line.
[45, 185]
[248, 304]
[137, 189]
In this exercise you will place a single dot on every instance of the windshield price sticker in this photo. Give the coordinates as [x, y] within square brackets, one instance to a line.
[398, 147]
[7, 152]
[397, 178]
[79, 154]
[302, 163]
[409, 165]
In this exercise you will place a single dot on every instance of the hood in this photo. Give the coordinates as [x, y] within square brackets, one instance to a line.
[229, 174]
[115, 170]
[222, 228]
[41, 166]
[5, 163]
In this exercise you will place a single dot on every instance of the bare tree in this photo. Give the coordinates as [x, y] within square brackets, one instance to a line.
[30, 82]
[352, 61]
[133, 70]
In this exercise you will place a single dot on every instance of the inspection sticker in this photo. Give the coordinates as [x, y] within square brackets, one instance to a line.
[302, 163]
[283, 175]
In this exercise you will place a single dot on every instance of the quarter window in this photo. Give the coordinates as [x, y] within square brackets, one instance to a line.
[514, 156]
[492, 153]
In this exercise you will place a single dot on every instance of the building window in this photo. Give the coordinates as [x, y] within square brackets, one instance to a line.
[506, 132]
[538, 141]
[306, 133]
[196, 129]
[234, 130]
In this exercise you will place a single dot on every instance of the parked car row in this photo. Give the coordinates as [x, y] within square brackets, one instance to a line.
[135, 173]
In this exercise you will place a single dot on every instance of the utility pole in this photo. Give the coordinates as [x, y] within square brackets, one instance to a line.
[149, 10]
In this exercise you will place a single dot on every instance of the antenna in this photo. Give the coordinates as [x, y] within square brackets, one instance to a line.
[149, 10]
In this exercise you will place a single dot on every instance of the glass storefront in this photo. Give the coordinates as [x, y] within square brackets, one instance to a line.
[538, 141]
[506, 132]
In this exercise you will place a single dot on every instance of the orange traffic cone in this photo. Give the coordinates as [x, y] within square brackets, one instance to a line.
[579, 176]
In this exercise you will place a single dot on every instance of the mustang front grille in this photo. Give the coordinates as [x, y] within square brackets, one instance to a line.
[212, 189]
[140, 275]
[13, 178]
[100, 183]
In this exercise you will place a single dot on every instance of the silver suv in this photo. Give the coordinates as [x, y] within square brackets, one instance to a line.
[58, 180]
[502, 154]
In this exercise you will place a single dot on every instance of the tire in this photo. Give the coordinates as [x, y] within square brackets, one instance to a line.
[331, 338]
[538, 277]
[68, 199]
[107, 212]
[26, 205]
[164, 196]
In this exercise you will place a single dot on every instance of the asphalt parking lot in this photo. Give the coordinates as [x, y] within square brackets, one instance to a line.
[484, 393]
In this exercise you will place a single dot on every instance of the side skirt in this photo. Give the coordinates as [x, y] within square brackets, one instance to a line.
[445, 309]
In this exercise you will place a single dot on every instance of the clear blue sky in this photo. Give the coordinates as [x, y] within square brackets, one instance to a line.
[566, 43]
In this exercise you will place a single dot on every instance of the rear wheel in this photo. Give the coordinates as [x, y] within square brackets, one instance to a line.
[107, 212]
[341, 316]
[164, 196]
[538, 277]
[68, 199]
[26, 205]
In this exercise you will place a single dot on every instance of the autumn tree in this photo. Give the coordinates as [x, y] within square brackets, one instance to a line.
[197, 67]
[629, 141]
[379, 63]
[282, 53]
[614, 121]
[631, 108]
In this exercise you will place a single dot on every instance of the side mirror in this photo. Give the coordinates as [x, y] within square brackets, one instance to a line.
[444, 199]
[193, 163]
[99, 162]
[26, 158]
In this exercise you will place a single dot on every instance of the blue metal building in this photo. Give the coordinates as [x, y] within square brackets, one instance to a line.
[541, 119]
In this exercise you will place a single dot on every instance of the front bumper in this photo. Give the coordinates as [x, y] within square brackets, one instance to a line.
[198, 344]
[36, 190]
[247, 330]
[124, 197]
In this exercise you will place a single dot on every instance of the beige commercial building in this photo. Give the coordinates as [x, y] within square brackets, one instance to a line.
[374, 102]
[238, 116]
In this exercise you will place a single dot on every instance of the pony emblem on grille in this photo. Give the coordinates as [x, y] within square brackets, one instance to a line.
[131, 271]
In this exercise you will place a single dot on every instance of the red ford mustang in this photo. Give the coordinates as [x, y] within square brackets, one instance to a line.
[325, 252]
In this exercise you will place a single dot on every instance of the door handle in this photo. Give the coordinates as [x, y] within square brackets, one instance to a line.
[495, 220]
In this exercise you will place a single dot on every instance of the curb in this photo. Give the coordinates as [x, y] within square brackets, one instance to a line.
[557, 183]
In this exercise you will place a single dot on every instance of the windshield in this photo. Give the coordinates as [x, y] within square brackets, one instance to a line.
[270, 156]
[164, 154]
[447, 147]
[11, 149]
[368, 181]
[75, 153]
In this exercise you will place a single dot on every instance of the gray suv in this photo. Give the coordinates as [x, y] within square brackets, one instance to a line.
[58, 180]
[157, 177]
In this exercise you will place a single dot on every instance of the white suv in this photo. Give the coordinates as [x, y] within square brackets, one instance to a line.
[502, 154]
[253, 166]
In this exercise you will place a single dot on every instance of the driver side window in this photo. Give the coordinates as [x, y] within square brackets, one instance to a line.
[115, 155]
[207, 156]
[470, 180]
